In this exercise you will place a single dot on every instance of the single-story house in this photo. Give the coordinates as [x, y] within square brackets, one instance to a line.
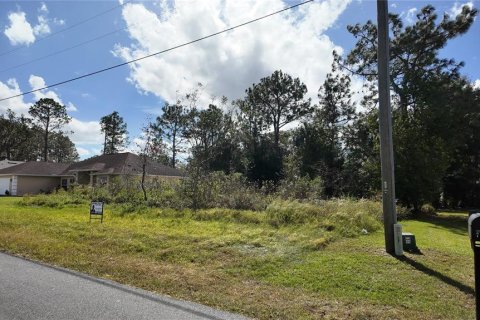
[36, 177]
[31, 177]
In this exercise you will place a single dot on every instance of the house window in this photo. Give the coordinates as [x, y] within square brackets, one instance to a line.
[64, 184]
[102, 180]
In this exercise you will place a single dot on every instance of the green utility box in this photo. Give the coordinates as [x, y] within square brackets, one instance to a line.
[409, 243]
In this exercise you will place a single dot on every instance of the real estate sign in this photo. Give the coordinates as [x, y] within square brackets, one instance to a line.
[96, 208]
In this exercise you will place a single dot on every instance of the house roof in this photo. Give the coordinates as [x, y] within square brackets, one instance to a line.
[118, 163]
[36, 169]
[8, 163]
[122, 163]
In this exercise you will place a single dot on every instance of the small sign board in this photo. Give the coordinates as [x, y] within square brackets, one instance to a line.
[96, 209]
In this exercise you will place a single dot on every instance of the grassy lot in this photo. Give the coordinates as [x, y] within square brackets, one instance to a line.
[239, 262]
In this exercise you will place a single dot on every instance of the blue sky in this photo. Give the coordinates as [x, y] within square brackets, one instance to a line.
[299, 43]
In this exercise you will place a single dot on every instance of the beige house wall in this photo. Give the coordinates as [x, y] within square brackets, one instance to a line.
[101, 179]
[34, 185]
[22, 185]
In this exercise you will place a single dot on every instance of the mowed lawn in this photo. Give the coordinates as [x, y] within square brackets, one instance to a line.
[256, 269]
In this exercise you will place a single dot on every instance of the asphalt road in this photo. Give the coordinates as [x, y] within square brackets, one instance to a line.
[31, 290]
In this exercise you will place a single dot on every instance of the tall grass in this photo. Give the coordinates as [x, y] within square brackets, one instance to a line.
[57, 199]
[230, 198]
[239, 260]
[347, 217]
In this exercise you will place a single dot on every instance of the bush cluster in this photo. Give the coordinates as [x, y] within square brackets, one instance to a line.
[427, 209]
[212, 190]
[302, 188]
[58, 199]
[230, 198]
[218, 190]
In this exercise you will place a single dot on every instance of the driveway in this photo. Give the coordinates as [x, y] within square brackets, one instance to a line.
[31, 290]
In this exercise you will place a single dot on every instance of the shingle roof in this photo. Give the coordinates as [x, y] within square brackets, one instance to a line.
[36, 168]
[119, 163]
[122, 163]
[8, 163]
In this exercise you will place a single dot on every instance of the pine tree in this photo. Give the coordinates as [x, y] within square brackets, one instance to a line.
[51, 116]
[115, 133]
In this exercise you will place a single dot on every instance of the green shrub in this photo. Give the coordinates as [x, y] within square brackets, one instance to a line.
[302, 188]
[237, 193]
[216, 189]
[428, 209]
[403, 213]
[57, 199]
[131, 207]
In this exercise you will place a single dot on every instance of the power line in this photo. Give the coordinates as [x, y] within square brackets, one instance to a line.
[68, 28]
[160, 52]
[63, 50]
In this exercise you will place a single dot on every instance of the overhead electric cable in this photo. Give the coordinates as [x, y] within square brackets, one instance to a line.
[68, 28]
[63, 50]
[160, 52]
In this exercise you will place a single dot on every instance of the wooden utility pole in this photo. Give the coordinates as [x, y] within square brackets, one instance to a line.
[385, 115]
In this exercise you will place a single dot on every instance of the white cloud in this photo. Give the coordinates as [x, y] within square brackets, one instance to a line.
[229, 63]
[8, 89]
[87, 151]
[42, 27]
[137, 145]
[84, 132]
[37, 82]
[476, 84]
[456, 9]
[59, 22]
[393, 5]
[22, 32]
[82, 152]
[43, 8]
[358, 91]
[11, 88]
[19, 31]
[71, 107]
[410, 16]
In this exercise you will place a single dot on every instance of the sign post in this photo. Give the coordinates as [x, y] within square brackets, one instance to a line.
[96, 210]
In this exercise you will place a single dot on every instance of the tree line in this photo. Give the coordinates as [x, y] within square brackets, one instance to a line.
[38, 138]
[275, 133]
[435, 110]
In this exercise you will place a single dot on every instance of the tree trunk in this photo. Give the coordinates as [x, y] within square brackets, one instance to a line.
[45, 147]
[112, 145]
[144, 173]
[174, 148]
[105, 144]
[276, 129]
[276, 133]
